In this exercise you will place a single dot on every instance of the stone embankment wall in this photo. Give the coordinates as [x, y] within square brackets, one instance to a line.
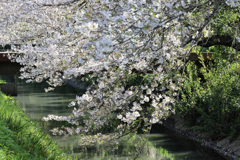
[230, 151]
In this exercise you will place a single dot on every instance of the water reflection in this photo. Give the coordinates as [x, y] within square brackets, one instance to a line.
[36, 104]
[159, 147]
[127, 151]
[151, 150]
[10, 88]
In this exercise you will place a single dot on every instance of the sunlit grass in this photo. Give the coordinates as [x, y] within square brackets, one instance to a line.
[20, 138]
[2, 81]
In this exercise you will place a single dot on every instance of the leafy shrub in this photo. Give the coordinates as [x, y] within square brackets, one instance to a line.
[213, 106]
[20, 138]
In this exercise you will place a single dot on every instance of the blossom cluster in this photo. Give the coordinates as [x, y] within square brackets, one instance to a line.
[110, 40]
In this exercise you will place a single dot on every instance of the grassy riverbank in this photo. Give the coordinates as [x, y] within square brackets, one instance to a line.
[20, 138]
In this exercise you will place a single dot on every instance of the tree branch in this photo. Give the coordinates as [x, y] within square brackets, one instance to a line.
[219, 40]
[65, 3]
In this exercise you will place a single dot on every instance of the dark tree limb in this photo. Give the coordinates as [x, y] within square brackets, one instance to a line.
[64, 3]
[219, 40]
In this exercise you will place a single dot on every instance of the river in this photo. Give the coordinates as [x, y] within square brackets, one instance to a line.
[36, 104]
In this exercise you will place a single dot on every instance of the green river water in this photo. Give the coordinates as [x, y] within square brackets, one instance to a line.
[160, 146]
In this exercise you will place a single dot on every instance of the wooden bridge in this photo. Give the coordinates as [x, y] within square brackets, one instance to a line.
[4, 57]
[206, 56]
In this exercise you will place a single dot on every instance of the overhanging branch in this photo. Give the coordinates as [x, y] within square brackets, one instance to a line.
[219, 40]
[64, 3]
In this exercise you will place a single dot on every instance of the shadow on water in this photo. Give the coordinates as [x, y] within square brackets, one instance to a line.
[37, 104]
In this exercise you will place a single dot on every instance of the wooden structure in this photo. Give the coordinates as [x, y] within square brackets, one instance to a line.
[9, 89]
[206, 55]
[3, 56]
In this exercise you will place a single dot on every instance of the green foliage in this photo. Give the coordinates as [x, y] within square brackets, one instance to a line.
[213, 106]
[223, 52]
[133, 79]
[20, 138]
[226, 21]
[90, 79]
[10, 149]
[2, 82]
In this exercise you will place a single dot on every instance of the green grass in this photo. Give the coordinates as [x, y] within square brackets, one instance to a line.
[2, 81]
[21, 139]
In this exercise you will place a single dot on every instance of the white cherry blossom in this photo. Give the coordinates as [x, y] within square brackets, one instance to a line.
[112, 41]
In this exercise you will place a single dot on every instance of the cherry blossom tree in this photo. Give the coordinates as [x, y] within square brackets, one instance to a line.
[135, 49]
